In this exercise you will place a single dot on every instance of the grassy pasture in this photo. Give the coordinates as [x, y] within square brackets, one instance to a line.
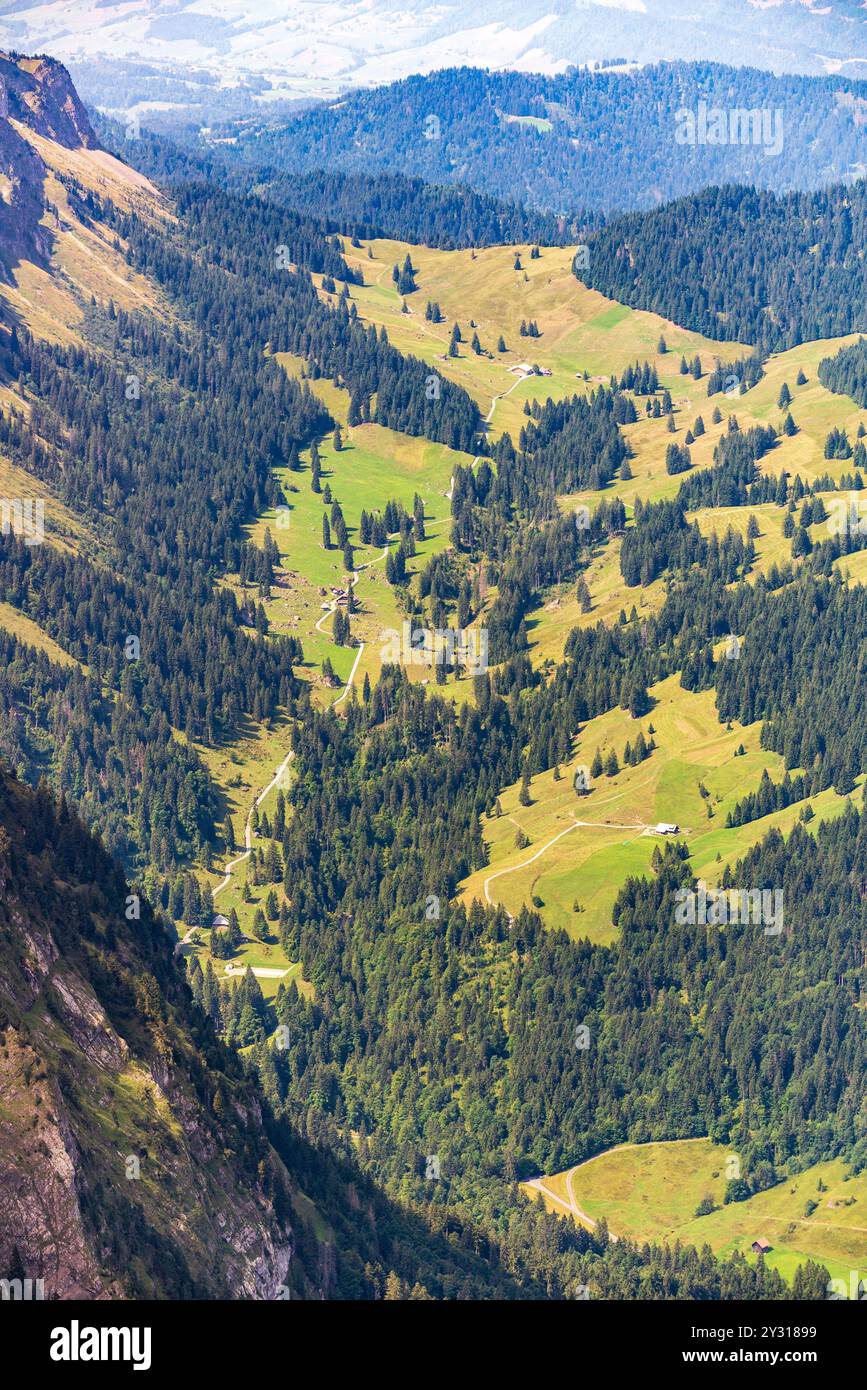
[374, 465]
[29, 632]
[551, 621]
[84, 259]
[651, 1191]
[588, 864]
[644, 1191]
[255, 954]
[581, 330]
[63, 529]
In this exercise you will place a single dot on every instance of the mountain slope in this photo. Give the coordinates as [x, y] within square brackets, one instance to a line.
[35, 93]
[581, 140]
[138, 1158]
[123, 1125]
[740, 264]
[54, 254]
[432, 1046]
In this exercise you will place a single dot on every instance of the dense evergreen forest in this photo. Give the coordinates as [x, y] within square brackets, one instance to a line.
[846, 372]
[61, 887]
[578, 140]
[243, 237]
[508, 514]
[409, 209]
[455, 1037]
[743, 264]
[357, 204]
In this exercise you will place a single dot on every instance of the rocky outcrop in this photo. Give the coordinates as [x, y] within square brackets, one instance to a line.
[38, 92]
[133, 1155]
[22, 203]
[36, 95]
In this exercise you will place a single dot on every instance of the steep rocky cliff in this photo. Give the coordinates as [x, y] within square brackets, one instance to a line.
[39, 93]
[133, 1159]
[36, 95]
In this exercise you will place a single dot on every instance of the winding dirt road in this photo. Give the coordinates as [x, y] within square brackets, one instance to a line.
[488, 418]
[248, 825]
[514, 868]
[377, 560]
[572, 1206]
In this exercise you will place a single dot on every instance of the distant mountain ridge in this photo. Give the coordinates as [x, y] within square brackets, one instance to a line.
[607, 141]
[123, 52]
[361, 205]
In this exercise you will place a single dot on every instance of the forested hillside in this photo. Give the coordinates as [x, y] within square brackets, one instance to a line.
[359, 204]
[200, 404]
[742, 264]
[175, 1161]
[578, 141]
[181, 1161]
[846, 372]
